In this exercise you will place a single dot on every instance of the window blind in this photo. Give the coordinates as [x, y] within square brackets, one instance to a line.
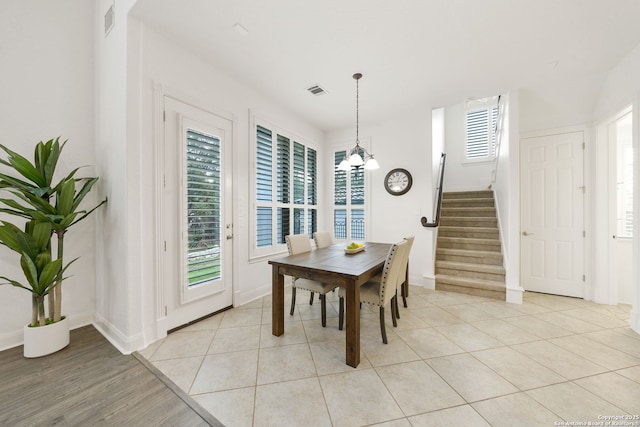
[203, 207]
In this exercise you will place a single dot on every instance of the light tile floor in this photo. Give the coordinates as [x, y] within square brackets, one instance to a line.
[453, 360]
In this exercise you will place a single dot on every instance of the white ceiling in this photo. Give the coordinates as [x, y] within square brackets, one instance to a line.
[411, 52]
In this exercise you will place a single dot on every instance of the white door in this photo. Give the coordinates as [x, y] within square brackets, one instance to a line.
[197, 228]
[552, 214]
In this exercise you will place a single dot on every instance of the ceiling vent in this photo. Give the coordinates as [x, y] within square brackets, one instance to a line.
[316, 90]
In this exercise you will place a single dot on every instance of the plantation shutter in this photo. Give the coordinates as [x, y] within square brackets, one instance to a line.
[264, 164]
[284, 169]
[298, 174]
[477, 134]
[203, 207]
[313, 221]
[264, 186]
[312, 177]
[481, 133]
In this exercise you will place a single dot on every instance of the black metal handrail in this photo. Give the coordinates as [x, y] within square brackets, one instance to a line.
[438, 205]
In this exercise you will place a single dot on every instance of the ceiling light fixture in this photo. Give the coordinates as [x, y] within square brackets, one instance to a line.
[358, 156]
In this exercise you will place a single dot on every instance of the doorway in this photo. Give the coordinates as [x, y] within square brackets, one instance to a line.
[620, 145]
[552, 214]
[197, 224]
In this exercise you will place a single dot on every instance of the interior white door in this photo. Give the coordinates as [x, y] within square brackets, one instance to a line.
[552, 214]
[197, 213]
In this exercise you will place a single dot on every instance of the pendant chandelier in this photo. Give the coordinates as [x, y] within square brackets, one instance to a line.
[358, 156]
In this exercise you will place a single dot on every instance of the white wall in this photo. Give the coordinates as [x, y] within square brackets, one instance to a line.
[403, 141]
[622, 88]
[187, 76]
[507, 195]
[116, 227]
[47, 91]
[461, 175]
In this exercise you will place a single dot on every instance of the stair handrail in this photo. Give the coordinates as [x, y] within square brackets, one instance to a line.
[498, 133]
[437, 206]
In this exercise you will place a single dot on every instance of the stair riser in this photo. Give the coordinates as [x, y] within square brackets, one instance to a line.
[470, 234]
[468, 195]
[489, 247]
[471, 222]
[471, 291]
[467, 203]
[470, 274]
[469, 212]
[470, 259]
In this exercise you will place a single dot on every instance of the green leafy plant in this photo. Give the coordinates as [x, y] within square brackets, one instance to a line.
[39, 201]
[42, 273]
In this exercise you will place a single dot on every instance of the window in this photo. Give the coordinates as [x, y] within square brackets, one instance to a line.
[203, 207]
[349, 208]
[481, 119]
[285, 179]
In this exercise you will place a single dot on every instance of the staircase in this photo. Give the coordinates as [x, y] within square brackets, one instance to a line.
[468, 253]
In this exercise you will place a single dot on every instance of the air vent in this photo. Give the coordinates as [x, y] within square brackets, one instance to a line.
[316, 90]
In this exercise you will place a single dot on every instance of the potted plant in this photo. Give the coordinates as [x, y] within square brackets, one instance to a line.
[46, 208]
[41, 273]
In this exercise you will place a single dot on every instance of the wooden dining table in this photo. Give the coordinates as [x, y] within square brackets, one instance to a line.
[330, 265]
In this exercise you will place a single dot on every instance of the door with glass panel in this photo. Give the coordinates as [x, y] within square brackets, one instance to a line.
[197, 214]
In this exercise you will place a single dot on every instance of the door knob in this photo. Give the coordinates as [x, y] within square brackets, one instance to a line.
[526, 233]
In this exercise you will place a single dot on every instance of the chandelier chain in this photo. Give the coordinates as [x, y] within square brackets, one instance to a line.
[357, 111]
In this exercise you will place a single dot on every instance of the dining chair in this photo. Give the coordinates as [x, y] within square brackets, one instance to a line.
[382, 292]
[322, 239]
[299, 244]
[404, 280]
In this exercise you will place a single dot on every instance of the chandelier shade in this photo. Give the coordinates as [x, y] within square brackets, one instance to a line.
[357, 156]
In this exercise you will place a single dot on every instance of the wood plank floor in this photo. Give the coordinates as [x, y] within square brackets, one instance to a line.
[90, 383]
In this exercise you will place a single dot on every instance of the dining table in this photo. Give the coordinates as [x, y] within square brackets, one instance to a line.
[332, 264]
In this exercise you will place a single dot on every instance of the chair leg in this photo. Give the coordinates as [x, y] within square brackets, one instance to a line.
[405, 288]
[341, 314]
[382, 330]
[323, 307]
[394, 311]
[293, 300]
[311, 299]
[396, 305]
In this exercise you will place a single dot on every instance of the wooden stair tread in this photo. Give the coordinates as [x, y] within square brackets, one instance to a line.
[471, 282]
[469, 240]
[467, 266]
[470, 253]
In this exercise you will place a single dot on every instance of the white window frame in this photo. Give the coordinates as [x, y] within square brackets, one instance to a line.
[260, 253]
[479, 105]
[365, 143]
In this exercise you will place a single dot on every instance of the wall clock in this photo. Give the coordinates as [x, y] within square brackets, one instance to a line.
[398, 181]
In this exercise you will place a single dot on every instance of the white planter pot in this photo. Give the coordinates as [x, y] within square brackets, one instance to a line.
[47, 339]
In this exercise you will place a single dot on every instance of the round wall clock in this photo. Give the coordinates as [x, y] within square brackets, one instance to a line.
[398, 181]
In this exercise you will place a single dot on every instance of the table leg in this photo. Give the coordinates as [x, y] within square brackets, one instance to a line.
[277, 303]
[352, 310]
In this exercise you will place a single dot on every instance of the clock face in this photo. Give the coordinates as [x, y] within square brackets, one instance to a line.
[398, 182]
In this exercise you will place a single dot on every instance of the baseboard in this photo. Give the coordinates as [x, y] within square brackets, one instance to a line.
[122, 342]
[426, 281]
[514, 295]
[11, 339]
[16, 338]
